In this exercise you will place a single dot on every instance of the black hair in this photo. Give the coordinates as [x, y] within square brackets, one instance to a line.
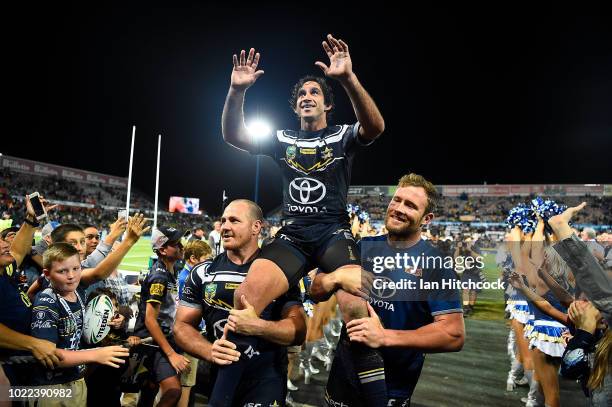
[328, 94]
[60, 232]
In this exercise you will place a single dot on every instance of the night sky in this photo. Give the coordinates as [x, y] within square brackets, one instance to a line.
[511, 94]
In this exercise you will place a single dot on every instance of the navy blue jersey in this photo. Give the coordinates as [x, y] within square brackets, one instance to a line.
[410, 309]
[316, 171]
[159, 286]
[59, 321]
[210, 287]
[15, 306]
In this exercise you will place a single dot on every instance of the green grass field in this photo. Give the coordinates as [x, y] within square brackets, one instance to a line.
[138, 257]
[489, 305]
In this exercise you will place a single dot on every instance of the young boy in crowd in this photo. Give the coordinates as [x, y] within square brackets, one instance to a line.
[57, 316]
[196, 251]
[156, 312]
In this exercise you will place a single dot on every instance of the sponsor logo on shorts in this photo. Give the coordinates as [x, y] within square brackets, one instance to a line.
[250, 352]
[284, 237]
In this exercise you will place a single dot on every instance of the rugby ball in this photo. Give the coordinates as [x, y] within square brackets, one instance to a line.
[98, 314]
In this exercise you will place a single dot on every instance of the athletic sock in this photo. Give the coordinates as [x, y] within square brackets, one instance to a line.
[370, 369]
[228, 377]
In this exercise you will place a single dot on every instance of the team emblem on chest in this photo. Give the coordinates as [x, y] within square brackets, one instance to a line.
[209, 292]
[290, 152]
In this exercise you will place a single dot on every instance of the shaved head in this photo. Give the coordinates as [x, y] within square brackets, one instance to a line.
[254, 211]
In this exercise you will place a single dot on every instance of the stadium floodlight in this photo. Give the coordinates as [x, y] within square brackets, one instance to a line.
[258, 129]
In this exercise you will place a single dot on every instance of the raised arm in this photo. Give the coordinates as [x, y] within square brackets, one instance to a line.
[244, 74]
[22, 243]
[559, 292]
[341, 68]
[136, 228]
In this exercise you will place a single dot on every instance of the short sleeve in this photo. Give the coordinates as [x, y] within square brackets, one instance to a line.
[352, 141]
[192, 291]
[445, 299]
[45, 317]
[157, 289]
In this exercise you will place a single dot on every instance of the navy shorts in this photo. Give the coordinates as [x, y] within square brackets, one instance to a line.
[297, 249]
[263, 391]
[343, 388]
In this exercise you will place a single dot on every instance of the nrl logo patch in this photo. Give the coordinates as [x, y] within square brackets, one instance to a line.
[209, 293]
[290, 153]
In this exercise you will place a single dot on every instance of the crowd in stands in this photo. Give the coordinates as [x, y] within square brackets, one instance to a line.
[494, 209]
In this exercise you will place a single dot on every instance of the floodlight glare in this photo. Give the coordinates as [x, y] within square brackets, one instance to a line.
[258, 129]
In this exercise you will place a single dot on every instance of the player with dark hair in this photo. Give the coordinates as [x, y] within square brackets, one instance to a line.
[316, 163]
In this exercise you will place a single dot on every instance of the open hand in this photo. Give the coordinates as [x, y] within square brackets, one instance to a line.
[340, 64]
[245, 71]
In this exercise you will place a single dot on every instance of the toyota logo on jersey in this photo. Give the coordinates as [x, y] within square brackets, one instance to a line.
[307, 190]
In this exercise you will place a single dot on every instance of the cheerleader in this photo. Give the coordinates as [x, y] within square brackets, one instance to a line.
[549, 324]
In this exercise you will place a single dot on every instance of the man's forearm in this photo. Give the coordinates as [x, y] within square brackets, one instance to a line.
[285, 332]
[430, 338]
[232, 120]
[365, 108]
[10, 339]
[22, 243]
[323, 286]
[191, 341]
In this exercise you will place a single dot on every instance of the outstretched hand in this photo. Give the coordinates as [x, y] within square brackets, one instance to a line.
[43, 201]
[245, 71]
[136, 227]
[567, 215]
[340, 64]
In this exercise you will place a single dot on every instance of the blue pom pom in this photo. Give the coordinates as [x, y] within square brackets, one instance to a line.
[522, 216]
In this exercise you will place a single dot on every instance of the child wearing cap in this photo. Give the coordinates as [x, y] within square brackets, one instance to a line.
[156, 313]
